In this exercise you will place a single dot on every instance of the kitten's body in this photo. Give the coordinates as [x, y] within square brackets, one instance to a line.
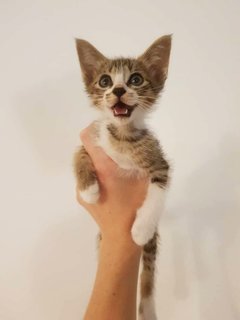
[124, 90]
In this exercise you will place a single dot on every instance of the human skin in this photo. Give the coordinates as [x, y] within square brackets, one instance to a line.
[115, 288]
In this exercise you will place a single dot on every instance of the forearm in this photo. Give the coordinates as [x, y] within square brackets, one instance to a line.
[114, 293]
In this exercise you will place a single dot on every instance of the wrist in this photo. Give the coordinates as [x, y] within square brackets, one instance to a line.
[118, 228]
[121, 245]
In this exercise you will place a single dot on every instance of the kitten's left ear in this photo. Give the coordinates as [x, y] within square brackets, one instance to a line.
[90, 60]
[156, 58]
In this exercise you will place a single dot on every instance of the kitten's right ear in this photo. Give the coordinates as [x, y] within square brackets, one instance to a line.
[90, 60]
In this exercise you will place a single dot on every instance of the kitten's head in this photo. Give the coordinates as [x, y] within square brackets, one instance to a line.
[125, 89]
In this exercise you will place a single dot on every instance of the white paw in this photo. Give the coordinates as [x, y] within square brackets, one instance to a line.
[91, 194]
[142, 232]
[148, 310]
[142, 317]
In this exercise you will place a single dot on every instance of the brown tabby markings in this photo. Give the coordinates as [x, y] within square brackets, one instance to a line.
[147, 93]
[149, 257]
[138, 144]
[144, 149]
[84, 169]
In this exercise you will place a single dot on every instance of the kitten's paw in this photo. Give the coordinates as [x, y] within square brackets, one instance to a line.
[91, 194]
[147, 309]
[143, 317]
[142, 232]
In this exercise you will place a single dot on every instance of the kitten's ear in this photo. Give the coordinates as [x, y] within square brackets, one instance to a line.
[90, 60]
[156, 58]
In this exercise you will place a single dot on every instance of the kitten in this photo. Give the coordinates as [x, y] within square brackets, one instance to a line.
[125, 91]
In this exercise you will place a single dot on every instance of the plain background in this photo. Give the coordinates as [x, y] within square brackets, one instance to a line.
[47, 242]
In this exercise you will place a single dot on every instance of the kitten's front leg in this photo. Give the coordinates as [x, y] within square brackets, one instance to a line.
[157, 168]
[87, 183]
[148, 215]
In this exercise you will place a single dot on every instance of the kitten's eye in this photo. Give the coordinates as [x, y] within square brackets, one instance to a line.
[105, 81]
[136, 79]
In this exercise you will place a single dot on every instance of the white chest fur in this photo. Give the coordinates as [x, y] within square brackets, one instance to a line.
[123, 160]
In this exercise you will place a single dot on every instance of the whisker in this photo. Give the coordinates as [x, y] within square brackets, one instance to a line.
[149, 97]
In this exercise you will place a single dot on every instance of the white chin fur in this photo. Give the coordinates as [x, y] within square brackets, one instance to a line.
[91, 194]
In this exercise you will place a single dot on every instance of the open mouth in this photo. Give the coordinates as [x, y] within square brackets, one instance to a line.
[121, 109]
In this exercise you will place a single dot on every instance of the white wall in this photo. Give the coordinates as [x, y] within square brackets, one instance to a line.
[47, 249]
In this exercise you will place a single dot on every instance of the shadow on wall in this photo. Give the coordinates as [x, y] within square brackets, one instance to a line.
[212, 213]
[52, 116]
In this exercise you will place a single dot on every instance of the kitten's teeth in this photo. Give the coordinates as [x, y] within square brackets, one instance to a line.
[121, 111]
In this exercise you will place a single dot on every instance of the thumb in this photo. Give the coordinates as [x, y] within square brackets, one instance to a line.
[96, 153]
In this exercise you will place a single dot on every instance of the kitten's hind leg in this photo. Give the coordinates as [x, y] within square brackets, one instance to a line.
[147, 306]
[87, 183]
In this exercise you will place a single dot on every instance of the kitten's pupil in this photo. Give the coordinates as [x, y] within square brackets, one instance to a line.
[105, 81]
[136, 79]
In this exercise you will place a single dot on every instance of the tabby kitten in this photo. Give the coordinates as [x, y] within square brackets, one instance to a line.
[125, 91]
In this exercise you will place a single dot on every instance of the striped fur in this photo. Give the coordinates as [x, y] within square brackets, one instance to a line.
[127, 141]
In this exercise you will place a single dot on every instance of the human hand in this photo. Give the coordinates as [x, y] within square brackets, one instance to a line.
[120, 195]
